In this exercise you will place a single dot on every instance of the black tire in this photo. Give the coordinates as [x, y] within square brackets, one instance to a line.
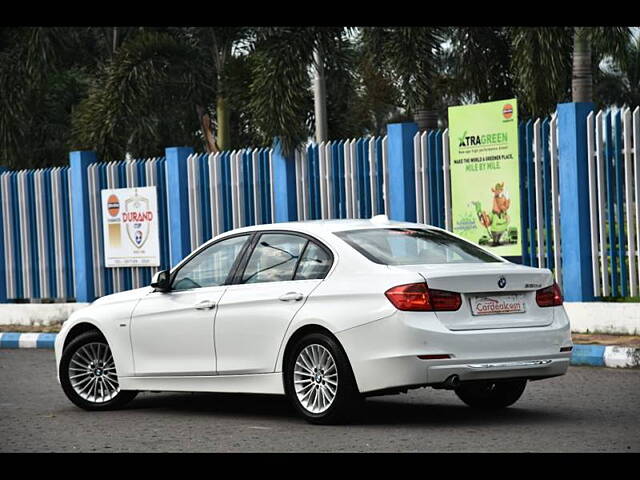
[491, 395]
[344, 406]
[121, 398]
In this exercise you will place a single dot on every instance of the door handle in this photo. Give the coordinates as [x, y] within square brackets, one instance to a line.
[204, 305]
[289, 296]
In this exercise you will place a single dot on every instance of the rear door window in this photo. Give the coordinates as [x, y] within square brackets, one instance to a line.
[274, 258]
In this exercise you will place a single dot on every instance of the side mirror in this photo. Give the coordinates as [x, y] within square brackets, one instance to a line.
[161, 280]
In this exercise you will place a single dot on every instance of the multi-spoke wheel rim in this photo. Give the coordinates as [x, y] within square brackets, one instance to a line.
[92, 373]
[315, 378]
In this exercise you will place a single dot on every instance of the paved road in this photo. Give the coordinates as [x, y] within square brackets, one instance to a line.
[589, 409]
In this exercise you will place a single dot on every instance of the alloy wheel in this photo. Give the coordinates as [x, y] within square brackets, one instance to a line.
[92, 373]
[315, 378]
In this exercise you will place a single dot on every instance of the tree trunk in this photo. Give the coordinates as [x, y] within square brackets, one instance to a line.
[582, 76]
[224, 129]
[115, 40]
[320, 97]
[207, 133]
[426, 119]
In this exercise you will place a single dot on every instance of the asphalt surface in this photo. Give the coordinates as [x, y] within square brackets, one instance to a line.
[588, 410]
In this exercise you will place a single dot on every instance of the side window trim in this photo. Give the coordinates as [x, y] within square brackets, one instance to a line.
[302, 252]
[236, 262]
[237, 278]
[239, 269]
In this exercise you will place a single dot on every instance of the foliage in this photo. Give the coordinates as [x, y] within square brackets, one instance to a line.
[621, 85]
[408, 56]
[143, 100]
[136, 90]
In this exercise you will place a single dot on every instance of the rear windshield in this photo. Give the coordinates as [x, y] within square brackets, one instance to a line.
[413, 246]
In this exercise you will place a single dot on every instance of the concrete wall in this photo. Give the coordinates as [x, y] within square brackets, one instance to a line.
[604, 317]
[37, 313]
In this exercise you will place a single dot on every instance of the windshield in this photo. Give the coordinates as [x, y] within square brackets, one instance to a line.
[413, 246]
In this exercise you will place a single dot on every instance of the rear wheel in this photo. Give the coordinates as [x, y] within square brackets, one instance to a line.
[88, 374]
[319, 381]
[491, 394]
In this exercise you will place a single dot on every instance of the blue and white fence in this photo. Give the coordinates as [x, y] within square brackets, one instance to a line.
[579, 174]
[341, 179]
[613, 138]
[228, 190]
[539, 195]
[431, 157]
[36, 221]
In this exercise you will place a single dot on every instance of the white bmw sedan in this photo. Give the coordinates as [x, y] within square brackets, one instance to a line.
[326, 313]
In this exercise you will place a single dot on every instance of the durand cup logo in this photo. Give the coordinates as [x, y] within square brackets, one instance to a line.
[136, 218]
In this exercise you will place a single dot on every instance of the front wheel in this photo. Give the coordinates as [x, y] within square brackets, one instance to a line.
[491, 394]
[88, 374]
[319, 381]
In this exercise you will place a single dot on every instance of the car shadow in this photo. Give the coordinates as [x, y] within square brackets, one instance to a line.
[382, 411]
[375, 411]
[231, 404]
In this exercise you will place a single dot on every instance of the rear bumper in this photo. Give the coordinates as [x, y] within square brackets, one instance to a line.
[384, 353]
[543, 367]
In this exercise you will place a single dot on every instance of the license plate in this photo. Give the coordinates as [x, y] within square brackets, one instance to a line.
[497, 304]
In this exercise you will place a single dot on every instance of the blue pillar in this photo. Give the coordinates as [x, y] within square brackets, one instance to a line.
[178, 202]
[575, 230]
[284, 185]
[3, 272]
[81, 226]
[402, 189]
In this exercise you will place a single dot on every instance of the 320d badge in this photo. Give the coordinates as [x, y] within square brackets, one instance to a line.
[327, 313]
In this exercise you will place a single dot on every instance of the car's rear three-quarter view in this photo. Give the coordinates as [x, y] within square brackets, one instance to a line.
[328, 313]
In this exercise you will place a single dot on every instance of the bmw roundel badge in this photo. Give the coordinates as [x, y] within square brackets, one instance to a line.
[502, 282]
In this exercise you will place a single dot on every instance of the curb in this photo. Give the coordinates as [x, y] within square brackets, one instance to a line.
[605, 356]
[594, 355]
[27, 340]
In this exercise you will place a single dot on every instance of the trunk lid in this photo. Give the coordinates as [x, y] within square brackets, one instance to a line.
[494, 295]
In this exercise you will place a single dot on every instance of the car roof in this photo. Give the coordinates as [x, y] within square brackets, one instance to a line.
[333, 225]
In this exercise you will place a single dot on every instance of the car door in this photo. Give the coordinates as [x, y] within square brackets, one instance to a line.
[172, 332]
[271, 285]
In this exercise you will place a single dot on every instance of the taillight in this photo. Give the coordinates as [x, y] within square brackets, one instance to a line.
[419, 297]
[549, 297]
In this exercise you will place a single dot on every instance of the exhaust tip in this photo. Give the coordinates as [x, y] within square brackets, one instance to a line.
[452, 382]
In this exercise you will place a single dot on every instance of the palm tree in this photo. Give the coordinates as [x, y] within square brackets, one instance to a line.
[555, 64]
[44, 72]
[478, 62]
[620, 85]
[408, 55]
[144, 98]
[164, 86]
[284, 60]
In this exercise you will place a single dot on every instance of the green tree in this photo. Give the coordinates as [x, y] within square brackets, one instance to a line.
[556, 64]
[163, 87]
[480, 63]
[619, 82]
[44, 72]
[144, 98]
[408, 55]
[283, 66]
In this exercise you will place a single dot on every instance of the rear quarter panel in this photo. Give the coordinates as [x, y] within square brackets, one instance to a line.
[347, 299]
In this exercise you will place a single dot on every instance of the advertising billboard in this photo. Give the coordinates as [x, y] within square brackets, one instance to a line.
[130, 227]
[485, 175]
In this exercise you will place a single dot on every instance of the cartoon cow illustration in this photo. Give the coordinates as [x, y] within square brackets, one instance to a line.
[496, 222]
